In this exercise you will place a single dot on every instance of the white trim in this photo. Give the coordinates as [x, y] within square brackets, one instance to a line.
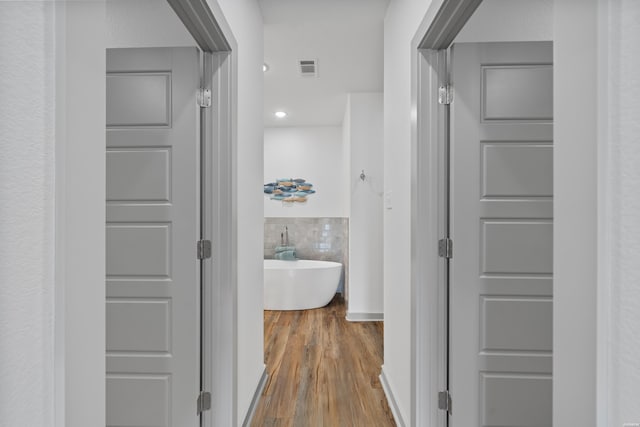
[79, 381]
[446, 23]
[364, 317]
[388, 393]
[427, 221]
[201, 23]
[256, 398]
[61, 204]
[213, 34]
[220, 340]
[428, 288]
[604, 205]
[221, 22]
[575, 236]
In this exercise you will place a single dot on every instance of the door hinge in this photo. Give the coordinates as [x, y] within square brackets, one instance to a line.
[204, 98]
[204, 401]
[203, 249]
[444, 401]
[445, 95]
[445, 248]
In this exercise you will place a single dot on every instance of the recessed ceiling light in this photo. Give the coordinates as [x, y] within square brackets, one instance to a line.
[280, 114]
[265, 67]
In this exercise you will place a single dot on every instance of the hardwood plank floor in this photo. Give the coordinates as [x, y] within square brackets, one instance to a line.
[323, 370]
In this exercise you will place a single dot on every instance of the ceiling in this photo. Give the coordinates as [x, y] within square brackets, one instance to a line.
[344, 36]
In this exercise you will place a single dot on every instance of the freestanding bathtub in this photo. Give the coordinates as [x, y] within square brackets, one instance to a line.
[299, 285]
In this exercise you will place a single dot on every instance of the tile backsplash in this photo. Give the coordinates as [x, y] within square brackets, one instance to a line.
[325, 239]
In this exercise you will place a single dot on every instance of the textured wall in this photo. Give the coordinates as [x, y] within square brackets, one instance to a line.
[325, 239]
[623, 221]
[27, 126]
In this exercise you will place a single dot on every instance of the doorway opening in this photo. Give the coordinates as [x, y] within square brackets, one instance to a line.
[483, 266]
[170, 130]
[324, 179]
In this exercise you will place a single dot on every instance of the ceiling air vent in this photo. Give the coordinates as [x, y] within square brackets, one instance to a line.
[308, 68]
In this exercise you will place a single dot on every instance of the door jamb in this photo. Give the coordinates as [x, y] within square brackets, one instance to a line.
[442, 22]
[220, 272]
[428, 226]
[205, 22]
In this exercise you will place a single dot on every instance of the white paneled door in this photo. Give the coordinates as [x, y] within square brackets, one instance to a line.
[502, 230]
[152, 283]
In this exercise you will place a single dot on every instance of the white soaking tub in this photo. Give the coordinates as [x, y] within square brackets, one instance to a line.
[299, 285]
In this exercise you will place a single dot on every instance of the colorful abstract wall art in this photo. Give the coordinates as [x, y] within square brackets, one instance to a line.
[289, 191]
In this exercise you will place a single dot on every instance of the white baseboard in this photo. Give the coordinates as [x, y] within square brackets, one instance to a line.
[256, 398]
[364, 317]
[391, 399]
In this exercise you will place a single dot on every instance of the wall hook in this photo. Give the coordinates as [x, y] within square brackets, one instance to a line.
[362, 175]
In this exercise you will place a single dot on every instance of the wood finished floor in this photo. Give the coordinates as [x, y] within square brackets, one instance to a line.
[323, 370]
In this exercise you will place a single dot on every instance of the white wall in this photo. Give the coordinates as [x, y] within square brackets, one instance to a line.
[575, 219]
[245, 20]
[346, 155]
[364, 132]
[312, 153]
[620, 212]
[162, 27]
[80, 196]
[27, 138]
[401, 22]
[509, 20]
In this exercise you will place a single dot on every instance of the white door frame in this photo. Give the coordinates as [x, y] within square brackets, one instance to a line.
[220, 226]
[442, 22]
[77, 304]
[218, 205]
[582, 390]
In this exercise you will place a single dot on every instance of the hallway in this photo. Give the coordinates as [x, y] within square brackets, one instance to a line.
[53, 195]
[323, 370]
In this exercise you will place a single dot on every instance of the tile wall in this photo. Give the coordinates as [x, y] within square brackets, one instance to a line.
[325, 239]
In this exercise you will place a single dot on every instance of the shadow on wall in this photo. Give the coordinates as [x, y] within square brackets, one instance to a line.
[322, 239]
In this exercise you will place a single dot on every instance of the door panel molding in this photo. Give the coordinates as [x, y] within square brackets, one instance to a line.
[498, 340]
[153, 331]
